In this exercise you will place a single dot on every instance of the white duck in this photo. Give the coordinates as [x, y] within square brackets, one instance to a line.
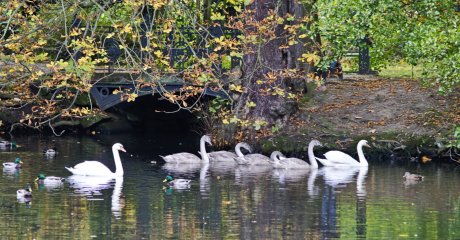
[226, 156]
[282, 162]
[338, 158]
[50, 152]
[95, 168]
[185, 157]
[49, 180]
[255, 158]
[25, 193]
[12, 165]
[4, 144]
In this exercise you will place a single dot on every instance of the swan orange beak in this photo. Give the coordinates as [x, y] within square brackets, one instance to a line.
[122, 149]
[367, 145]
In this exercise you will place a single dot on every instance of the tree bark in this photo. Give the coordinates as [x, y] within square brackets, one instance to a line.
[268, 57]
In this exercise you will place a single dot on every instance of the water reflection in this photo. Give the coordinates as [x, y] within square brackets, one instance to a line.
[223, 202]
[11, 173]
[178, 169]
[313, 190]
[89, 185]
[117, 200]
[204, 180]
[290, 175]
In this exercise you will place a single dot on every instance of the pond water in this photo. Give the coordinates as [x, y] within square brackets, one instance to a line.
[223, 202]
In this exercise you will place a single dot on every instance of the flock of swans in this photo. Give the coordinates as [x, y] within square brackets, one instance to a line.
[276, 159]
[339, 167]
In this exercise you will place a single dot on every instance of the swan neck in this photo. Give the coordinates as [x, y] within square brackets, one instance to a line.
[311, 156]
[118, 166]
[238, 150]
[362, 158]
[203, 153]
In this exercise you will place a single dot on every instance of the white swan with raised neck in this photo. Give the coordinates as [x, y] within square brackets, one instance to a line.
[95, 168]
[338, 158]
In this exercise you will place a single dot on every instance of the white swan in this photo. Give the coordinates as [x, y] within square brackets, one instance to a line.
[95, 168]
[90, 185]
[281, 162]
[311, 155]
[226, 156]
[256, 158]
[338, 158]
[185, 157]
[117, 203]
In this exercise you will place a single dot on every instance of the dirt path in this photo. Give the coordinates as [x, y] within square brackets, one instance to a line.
[378, 109]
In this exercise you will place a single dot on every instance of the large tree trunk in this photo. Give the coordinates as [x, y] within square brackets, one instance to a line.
[268, 57]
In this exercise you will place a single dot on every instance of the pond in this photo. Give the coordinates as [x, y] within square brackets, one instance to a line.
[223, 202]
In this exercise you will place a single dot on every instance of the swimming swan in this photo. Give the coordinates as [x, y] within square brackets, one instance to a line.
[311, 155]
[281, 162]
[226, 156]
[257, 159]
[185, 157]
[338, 158]
[95, 168]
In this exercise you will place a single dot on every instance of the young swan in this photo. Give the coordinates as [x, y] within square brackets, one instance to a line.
[279, 161]
[226, 156]
[186, 157]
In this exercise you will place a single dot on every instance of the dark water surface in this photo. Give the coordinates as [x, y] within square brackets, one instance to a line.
[223, 201]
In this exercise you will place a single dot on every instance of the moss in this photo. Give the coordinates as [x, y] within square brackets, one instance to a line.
[84, 100]
[93, 119]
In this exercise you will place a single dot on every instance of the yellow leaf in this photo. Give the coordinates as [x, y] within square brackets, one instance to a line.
[303, 36]
[250, 104]
[236, 88]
